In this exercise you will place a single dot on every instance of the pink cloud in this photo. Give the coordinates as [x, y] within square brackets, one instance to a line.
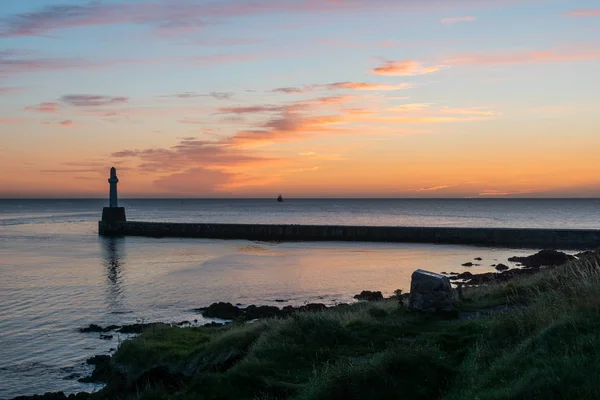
[44, 108]
[66, 123]
[454, 20]
[595, 12]
[368, 86]
[343, 85]
[406, 68]
[522, 57]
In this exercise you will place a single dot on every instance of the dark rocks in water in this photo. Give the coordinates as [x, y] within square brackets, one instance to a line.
[544, 258]
[430, 292]
[487, 277]
[106, 337]
[478, 258]
[72, 376]
[139, 328]
[367, 295]
[231, 312]
[102, 369]
[55, 396]
[281, 301]
[502, 267]
[470, 264]
[464, 275]
[223, 311]
[254, 312]
[453, 273]
[98, 328]
[98, 360]
[445, 273]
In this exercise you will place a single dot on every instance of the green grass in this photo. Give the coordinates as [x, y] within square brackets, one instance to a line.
[544, 344]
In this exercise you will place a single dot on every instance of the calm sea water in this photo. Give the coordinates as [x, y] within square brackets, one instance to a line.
[57, 274]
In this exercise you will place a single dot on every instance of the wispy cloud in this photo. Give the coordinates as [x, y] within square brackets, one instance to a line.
[431, 189]
[170, 18]
[592, 12]
[454, 20]
[191, 95]
[87, 100]
[44, 108]
[66, 123]
[406, 68]
[368, 86]
[344, 85]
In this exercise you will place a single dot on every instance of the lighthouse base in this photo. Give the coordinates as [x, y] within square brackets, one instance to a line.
[113, 214]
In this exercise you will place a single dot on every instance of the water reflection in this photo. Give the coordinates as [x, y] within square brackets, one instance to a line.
[112, 260]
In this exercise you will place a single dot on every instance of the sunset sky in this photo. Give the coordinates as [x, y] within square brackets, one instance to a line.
[309, 98]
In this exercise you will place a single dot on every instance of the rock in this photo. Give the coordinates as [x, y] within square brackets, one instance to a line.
[223, 311]
[470, 264]
[502, 267]
[102, 369]
[254, 312]
[56, 396]
[430, 292]
[106, 337]
[213, 325]
[478, 258]
[97, 360]
[98, 328]
[367, 295]
[464, 275]
[544, 258]
[139, 328]
[312, 307]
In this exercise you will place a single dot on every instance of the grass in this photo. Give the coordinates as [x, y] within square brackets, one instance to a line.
[544, 344]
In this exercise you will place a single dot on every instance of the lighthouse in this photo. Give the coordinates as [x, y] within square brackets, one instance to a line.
[113, 213]
[113, 200]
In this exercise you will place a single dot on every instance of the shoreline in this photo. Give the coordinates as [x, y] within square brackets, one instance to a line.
[532, 265]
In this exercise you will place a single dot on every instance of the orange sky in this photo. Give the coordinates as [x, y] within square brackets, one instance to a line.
[309, 99]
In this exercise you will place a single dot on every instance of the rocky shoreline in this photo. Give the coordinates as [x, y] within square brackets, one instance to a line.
[228, 312]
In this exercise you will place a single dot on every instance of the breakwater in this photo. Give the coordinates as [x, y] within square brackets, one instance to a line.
[495, 237]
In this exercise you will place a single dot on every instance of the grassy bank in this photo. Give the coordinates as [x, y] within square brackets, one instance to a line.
[536, 337]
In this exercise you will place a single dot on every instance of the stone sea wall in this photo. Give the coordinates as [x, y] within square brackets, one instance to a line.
[498, 237]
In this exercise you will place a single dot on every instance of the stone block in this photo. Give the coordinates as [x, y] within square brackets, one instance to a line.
[113, 214]
[430, 292]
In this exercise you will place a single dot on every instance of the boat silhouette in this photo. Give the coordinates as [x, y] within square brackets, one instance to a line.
[280, 199]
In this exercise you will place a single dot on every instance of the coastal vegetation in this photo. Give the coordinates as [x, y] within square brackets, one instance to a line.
[534, 336]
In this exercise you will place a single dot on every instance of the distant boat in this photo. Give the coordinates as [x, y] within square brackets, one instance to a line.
[280, 199]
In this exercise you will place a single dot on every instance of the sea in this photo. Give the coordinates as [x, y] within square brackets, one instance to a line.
[58, 275]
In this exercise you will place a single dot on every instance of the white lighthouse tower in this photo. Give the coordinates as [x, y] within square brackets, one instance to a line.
[113, 213]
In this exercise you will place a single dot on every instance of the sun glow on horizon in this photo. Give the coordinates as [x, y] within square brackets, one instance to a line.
[310, 99]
